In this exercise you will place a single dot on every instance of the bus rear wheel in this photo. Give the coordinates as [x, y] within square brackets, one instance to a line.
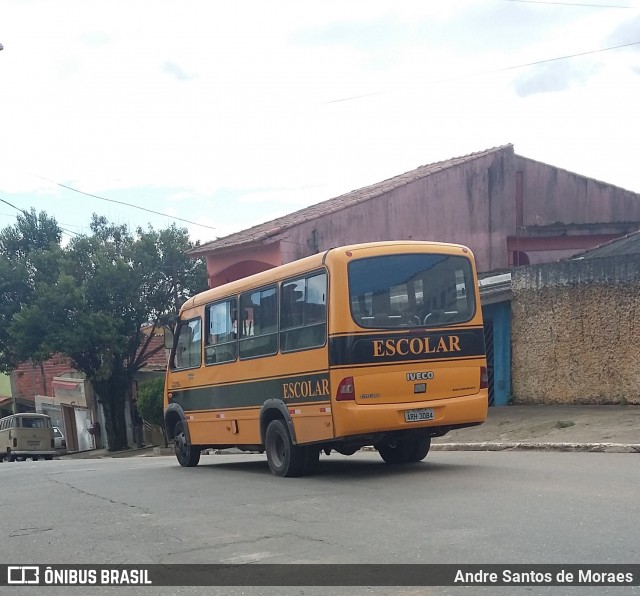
[187, 455]
[311, 460]
[284, 458]
[421, 449]
[405, 451]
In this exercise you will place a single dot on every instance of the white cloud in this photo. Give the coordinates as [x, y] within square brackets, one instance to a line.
[216, 109]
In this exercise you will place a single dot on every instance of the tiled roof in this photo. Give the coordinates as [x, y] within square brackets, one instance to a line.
[271, 228]
[627, 245]
[159, 360]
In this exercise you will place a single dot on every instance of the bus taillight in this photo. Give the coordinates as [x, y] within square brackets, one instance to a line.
[484, 378]
[345, 390]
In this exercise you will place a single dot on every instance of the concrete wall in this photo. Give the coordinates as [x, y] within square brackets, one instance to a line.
[552, 195]
[575, 332]
[471, 204]
[225, 267]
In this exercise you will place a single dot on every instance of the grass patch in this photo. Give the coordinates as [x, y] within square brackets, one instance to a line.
[564, 423]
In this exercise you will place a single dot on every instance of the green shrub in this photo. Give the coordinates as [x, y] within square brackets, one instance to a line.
[150, 401]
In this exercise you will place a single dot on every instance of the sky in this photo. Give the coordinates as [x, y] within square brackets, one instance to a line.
[221, 115]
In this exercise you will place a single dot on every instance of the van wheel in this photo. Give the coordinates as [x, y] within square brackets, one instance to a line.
[188, 456]
[284, 458]
[48, 457]
[404, 451]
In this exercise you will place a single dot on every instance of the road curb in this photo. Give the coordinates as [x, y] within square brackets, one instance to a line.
[538, 446]
[478, 446]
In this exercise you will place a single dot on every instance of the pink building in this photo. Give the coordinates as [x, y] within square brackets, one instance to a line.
[510, 210]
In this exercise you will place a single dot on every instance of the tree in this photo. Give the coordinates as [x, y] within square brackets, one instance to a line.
[30, 255]
[108, 286]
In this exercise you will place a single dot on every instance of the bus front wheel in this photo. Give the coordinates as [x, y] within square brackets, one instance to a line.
[187, 455]
[284, 458]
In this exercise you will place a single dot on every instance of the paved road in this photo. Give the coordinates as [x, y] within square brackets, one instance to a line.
[456, 507]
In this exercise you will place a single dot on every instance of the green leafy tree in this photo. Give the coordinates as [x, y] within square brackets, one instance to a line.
[30, 256]
[108, 286]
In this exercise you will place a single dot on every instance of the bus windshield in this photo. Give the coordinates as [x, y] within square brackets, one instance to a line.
[408, 290]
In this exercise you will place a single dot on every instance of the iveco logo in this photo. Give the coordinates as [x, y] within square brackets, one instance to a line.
[420, 376]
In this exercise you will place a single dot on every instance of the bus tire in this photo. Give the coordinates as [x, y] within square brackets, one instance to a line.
[398, 452]
[187, 455]
[421, 449]
[311, 460]
[285, 459]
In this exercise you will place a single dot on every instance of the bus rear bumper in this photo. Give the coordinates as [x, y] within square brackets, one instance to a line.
[355, 419]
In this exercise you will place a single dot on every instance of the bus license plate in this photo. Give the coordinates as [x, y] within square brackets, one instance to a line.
[419, 415]
[33, 443]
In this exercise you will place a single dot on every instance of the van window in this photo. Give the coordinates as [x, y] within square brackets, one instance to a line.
[35, 422]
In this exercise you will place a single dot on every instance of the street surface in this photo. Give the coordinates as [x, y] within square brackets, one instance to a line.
[455, 507]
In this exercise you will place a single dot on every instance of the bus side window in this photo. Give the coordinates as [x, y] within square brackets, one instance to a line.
[304, 313]
[221, 345]
[259, 323]
[189, 345]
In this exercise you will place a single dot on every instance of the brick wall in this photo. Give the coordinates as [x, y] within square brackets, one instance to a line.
[575, 330]
[29, 381]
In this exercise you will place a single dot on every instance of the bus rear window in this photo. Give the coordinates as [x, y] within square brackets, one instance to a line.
[411, 290]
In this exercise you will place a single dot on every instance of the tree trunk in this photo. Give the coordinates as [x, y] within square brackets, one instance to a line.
[115, 423]
[113, 394]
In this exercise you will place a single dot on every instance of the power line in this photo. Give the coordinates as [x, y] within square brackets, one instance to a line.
[23, 211]
[570, 4]
[10, 205]
[125, 204]
[624, 45]
[503, 69]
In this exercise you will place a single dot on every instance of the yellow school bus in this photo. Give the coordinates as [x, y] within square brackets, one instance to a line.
[378, 344]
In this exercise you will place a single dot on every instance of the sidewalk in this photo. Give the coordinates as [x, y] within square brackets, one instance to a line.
[551, 427]
[612, 429]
